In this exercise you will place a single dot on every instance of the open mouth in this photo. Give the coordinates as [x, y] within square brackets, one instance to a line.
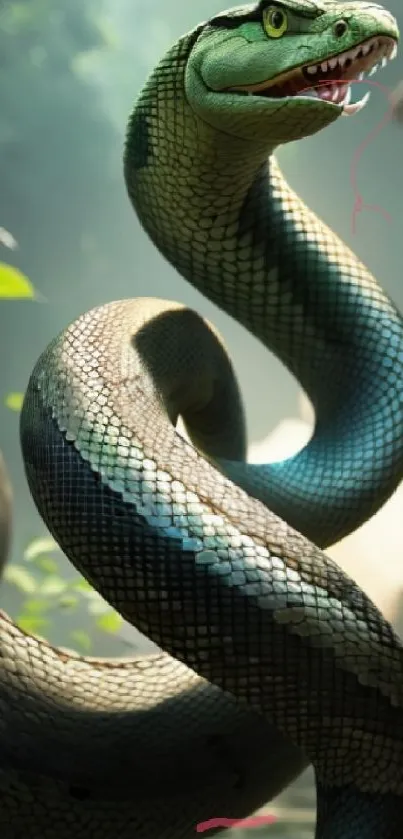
[330, 79]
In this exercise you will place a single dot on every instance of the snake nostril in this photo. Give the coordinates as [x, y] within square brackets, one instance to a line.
[340, 28]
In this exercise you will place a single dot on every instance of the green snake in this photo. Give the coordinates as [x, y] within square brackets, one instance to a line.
[273, 656]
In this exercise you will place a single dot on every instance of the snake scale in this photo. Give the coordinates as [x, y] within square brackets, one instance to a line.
[272, 657]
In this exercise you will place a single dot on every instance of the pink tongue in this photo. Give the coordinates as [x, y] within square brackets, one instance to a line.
[332, 92]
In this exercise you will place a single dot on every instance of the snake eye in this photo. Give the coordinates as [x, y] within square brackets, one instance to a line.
[275, 21]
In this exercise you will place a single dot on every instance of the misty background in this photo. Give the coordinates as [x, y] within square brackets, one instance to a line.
[69, 75]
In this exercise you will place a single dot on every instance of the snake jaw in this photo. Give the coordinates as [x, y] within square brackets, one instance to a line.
[365, 57]
[329, 79]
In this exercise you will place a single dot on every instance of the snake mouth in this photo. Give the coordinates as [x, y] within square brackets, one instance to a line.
[329, 80]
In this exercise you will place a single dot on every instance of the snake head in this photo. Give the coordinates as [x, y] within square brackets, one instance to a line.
[283, 70]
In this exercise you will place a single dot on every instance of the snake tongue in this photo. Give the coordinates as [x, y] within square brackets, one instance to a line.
[338, 93]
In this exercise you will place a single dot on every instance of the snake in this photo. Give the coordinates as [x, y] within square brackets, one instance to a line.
[271, 656]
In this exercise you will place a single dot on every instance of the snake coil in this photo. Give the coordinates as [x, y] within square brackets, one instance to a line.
[218, 561]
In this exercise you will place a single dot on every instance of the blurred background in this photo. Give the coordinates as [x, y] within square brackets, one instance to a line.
[69, 74]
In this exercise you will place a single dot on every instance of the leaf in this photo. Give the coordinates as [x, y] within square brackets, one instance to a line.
[7, 239]
[110, 622]
[35, 606]
[31, 624]
[84, 587]
[39, 546]
[14, 401]
[14, 284]
[18, 576]
[47, 564]
[68, 601]
[81, 640]
[98, 606]
[53, 585]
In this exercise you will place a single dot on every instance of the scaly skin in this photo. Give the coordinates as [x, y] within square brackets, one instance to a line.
[197, 172]
[208, 571]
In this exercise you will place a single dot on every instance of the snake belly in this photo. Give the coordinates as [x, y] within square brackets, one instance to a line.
[220, 562]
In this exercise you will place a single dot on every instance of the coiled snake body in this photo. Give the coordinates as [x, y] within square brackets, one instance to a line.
[202, 552]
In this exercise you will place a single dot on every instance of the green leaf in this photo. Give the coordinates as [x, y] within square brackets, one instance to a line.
[47, 564]
[53, 585]
[83, 586]
[14, 401]
[110, 622]
[68, 601]
[18, 576]
[81, 640]
[38, 547]
[35, 606]
[31, 624]
[14, 284]
[98, 606]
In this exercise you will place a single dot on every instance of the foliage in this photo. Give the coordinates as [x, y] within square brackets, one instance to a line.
[55, 169]
[45, 591]
[38, 578]
[14, 401]
[14, 284]
[7, 239]
[56, 142]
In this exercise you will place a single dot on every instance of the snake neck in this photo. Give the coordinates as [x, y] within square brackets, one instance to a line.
[206, 174]
[219, 209]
